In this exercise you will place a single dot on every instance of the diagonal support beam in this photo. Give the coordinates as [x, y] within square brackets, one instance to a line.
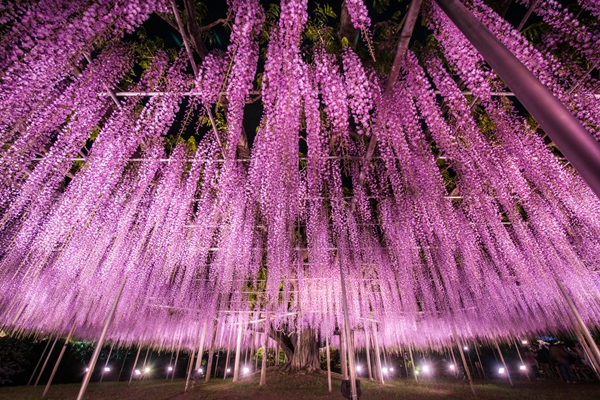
[405, 35]
[577, 144]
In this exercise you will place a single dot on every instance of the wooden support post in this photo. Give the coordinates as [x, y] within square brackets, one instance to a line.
[39, 361]
[123, 365]
[588, 353]
[96, 354]
[454, 360]
[227, 358]
[46, 361]
[134, 365]
[60, 356]
[503, 362]
[238, 351]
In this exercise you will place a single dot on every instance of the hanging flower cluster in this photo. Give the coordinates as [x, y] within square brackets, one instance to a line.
[91, 196]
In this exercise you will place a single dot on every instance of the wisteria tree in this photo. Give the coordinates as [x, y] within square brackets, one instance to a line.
[261, 170]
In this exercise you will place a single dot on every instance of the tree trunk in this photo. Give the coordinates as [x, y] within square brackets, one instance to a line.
[301, 355]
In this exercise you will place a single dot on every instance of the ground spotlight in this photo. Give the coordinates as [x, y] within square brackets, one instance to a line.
[391, 369]
[228, 369]
[358, 368]
[523, 368]
[138, 372]
[425, 368]
[87, 370]
[501, 370]
[384, 370]
[147, 370]
[452, 367]
[200, 370]
[524, 342]
[466, 348]
[170, 368]
[106, 369]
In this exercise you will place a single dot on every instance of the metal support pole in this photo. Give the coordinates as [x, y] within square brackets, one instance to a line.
[343, 360]
[190, 368]
[584, 329]
[412, 361]
[521, 358]
[107, 359]
[348, 332]
[98, 349]
[46, 361]
[134, 365]
[503, 362]
[574, 141]
[464, 360]
[238, 351]
[263, 366]
[368, 353]
[328, 354]
[379, 373]
[201, 348]
[175, 364]
[480, 363]
[39, 361]
[60, 356]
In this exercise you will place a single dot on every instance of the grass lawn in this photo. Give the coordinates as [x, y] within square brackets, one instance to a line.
[282, 385]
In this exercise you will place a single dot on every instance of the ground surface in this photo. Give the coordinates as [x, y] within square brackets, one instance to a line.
[282, 385]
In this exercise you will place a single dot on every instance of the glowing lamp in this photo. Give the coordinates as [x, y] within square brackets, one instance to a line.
[87, 370]
[228, 369]
[500, 370]
[466, 348]
[452, 367]
[392, 369]
[246, 370]
[170, 368]
[358, 368]
[524, 342]
[138, 372]
[147, 370]
[200, 370]
[425, 368]
[384, 370]
[106, 369]
[523, 368]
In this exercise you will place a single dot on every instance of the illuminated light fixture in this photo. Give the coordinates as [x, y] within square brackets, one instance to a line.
[452, 367]
[246, 370]
[466, 348]
[200, 370]
[170, 368]
[138, 372]
[501, 370]
[524, 342]
[358, 367]
[392, 369]
[425, 368]
[106, 369]
[416, 372]
[523, 368]
[228, 369]
[147, 370]
[87, 370]
[384, 370]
